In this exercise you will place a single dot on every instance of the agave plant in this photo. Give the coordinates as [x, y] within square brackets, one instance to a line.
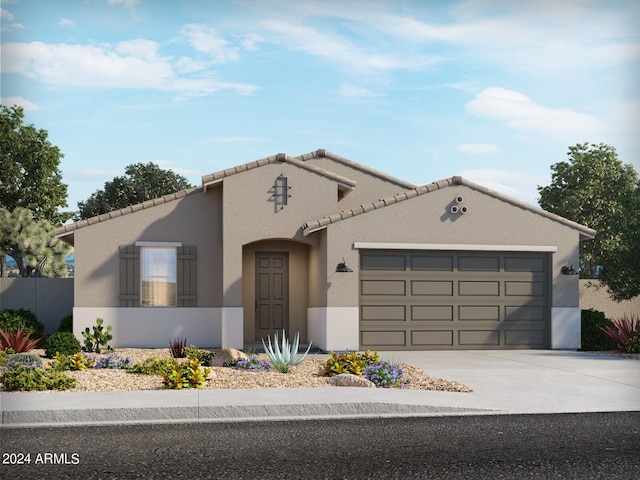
[283, 356]
[622, 330]
[19, 341]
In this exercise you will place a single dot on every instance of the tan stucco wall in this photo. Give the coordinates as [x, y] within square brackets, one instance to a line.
[427, 220]
[593, 295]
[194, 220]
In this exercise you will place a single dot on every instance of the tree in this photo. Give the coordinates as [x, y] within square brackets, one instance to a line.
[32, 244]
[590, 189]
[29, 173]
[621, 257]
[142, 182]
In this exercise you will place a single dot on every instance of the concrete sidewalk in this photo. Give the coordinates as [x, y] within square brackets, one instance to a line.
[504, 382]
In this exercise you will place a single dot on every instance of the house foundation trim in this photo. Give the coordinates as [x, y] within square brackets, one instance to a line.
[565, 328]
[334, 328]
[456, 247]
[138, 327]
[232, 327]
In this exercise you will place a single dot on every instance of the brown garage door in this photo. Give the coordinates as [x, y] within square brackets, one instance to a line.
[425, 300]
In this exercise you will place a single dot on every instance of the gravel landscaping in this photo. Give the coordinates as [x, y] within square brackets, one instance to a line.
[307, 374]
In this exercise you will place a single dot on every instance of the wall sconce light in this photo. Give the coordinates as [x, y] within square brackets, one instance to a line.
[342, 267]
[569, 270]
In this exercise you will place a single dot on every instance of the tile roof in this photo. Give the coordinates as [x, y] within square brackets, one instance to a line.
[66, 230]
[323, 222]
[217, 177]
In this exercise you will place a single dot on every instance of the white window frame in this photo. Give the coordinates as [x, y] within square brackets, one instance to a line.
[168, 274]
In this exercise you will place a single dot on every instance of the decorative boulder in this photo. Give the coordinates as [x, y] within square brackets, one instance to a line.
[350, 380]
[227, 354]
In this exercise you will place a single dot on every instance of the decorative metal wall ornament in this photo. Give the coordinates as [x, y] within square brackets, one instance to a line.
[281, 191]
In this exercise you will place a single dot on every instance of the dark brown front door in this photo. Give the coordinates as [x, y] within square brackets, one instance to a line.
[272, 293]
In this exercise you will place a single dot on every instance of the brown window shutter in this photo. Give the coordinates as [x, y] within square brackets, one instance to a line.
[129, 276]
[187, 276]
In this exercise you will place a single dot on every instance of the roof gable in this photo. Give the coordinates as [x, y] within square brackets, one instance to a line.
[319, 224]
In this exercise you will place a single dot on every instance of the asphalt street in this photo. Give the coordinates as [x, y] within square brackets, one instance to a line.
[567, 446]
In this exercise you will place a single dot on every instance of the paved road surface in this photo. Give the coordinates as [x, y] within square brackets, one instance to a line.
[559, 446]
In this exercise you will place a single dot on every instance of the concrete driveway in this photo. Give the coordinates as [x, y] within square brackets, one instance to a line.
[533, 381]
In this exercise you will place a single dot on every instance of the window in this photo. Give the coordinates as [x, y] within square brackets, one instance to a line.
[158, 279]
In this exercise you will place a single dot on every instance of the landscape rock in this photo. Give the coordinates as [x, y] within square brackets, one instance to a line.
[350, 380]
[227, 354]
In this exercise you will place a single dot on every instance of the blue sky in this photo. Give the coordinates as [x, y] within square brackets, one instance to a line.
[493, 90]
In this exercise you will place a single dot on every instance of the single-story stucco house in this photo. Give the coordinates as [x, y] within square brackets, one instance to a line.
[346, 255]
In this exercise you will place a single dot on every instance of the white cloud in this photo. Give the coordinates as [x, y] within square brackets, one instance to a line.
[66, 22]
[521, 186]
[350, 91]
[92, 175]
[205, 40]
[6, 15]
[20, 101]
[337, 49]
[478, 148]
[250, 41]
[519, 112]
[131, 64]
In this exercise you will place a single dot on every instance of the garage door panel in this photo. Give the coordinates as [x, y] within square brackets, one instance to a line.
[432, 313]
[478, 264]
[482, 288]
[387, 338]
[525, 337]
[524, 289]
[514, 313]
[432, 337]
[479, 312]
[524, 264]
[432, 287]
[479, 337]
[383, 287]
[421, 300]
[381, 312]
[432, 263]
[382, 262]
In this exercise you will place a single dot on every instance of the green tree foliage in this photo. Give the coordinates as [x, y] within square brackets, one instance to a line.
[140, 183]
[29, 174]
[621, 255]
[32, 244]
[591, 189]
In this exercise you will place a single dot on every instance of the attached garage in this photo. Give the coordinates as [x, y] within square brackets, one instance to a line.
[434, 299]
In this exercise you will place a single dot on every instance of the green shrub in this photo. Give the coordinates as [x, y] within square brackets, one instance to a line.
[633, 344]
[61, 342]
[350, 362]
[11, 320]
[78, 361]
[26, 359]
[5, 355]
[593, 338]
[22, 378]
[154, 366]
[66, 324]
[189, 374]
[101, 336]
[203, 356]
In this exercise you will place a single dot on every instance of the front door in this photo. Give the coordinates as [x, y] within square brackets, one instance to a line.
[272, 293]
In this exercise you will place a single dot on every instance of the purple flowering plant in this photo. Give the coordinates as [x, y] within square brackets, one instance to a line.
[112, 361]
[253, 364]
[386, 375]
